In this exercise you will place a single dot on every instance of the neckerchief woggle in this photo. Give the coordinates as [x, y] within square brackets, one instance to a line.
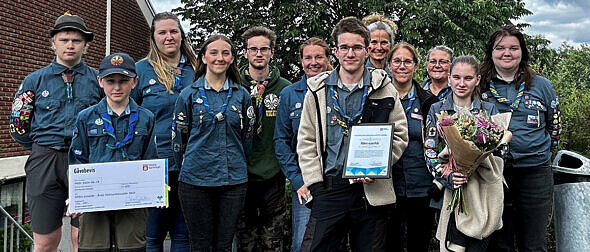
[258, 88]
[349, 119]
[501, 99]
[68, 78]
[108, 127]
[220, 115]
[178, 73]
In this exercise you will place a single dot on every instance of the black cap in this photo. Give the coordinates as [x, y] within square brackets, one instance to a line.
[117, 63]
[71, 22]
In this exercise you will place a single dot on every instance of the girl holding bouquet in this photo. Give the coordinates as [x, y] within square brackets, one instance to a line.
[510, 83]
[483, 191]
[410, 176]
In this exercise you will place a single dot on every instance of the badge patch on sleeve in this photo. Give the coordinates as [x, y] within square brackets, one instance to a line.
[430, 153]
[429, 143]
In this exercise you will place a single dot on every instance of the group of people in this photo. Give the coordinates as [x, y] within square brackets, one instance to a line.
[232, 136]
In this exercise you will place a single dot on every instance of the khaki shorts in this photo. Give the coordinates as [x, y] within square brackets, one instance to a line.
[125, 227]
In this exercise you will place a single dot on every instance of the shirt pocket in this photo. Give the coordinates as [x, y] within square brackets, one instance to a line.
[47, 108]
[377, 111]
[97, 140]
[295, 117]
[140, 141]
[153, 90]
[534, 112]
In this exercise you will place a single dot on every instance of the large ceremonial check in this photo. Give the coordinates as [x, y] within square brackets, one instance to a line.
[118, 185]
[369, 151]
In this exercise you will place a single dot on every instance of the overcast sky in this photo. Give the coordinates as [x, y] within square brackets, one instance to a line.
[556, 20]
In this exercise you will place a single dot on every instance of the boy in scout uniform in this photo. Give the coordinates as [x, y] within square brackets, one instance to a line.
[115, 129]
[42, 120]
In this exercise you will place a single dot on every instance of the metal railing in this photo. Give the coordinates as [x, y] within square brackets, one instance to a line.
[14, 235]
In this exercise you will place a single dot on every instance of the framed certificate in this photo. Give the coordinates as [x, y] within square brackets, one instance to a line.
[118, 185]
[369, 151]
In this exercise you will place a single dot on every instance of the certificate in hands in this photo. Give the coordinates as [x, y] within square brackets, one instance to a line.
[118, 185]
[369, 151]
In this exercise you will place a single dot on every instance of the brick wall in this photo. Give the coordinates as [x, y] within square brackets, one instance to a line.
[25, 47]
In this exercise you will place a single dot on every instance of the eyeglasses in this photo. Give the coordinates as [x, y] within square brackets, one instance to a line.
[398, 63]
[439, 62]
[355, 49]
[255, 50]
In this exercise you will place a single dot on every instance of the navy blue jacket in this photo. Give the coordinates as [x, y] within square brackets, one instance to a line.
[286, 128]
[43, 113]
[213, 153]
[535, 124]
[151, 94]
[90, 139]
[443, 92]
[411, 177]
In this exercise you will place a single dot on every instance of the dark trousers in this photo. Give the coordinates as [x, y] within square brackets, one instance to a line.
[261, 223]
[528, 201]
[211, 214]
[340, 208]
[164, 220]
[414, 218]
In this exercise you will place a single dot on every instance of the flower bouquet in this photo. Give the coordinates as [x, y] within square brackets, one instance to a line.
[470, 139]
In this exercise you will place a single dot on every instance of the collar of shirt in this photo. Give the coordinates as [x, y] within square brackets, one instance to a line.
[208, 87]
[449, 105]
[59, 68]
[411, 93]
[301, 85]
[131, 107]
[334, 79]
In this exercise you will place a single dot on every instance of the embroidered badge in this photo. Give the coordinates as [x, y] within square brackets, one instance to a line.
[45, 93]
[116, 60]
[429, 143]
[250, 112]
[532, 119]
[431, 131]
[152, 81]
[430, 153]
[147, 91]
[292, 113]
[181, 116]
[173, 135]
[271, 101]
[484, 96]
[17, 104]
[98, 121]
[199, 101]
[416, 116]
[78, 152]
[297, 105]
[328, 110]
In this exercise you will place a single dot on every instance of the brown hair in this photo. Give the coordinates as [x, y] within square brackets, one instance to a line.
[155, 58]
[400, 45]
[232, 72]
[471, 61]
[351, 25]
[488, 69]
[260, 31]
[318, 42]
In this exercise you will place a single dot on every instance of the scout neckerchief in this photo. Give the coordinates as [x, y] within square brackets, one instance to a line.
[349, 119]
[108, 128]
[178, 73]
[258, 88]
[219, 116]
[444, 93]
[411, 102]
[68, 77]
[500, 99]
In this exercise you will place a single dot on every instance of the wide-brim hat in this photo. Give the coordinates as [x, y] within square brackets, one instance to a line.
[117, 63]
[68, 21]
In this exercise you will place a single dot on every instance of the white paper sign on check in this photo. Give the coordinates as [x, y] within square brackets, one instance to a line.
[118, 185]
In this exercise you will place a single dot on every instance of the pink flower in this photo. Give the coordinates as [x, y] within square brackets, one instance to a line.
[481, 122]
[482, 138]
[447, 121]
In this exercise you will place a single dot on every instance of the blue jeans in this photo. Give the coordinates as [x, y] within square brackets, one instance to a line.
[211, 214]
[164, 220]
[527, 204]
[300, 216]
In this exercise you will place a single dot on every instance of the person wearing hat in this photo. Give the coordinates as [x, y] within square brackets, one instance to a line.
[115, 129]
[42, 120]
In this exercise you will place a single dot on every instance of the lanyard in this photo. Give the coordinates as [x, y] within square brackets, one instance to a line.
[500, 99]
[219, 116]
[108, 127]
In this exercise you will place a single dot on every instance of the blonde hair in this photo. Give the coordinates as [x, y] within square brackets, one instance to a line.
[156, 59]
[377, 21]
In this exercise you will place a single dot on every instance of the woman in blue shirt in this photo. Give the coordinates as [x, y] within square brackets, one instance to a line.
[168, 68]
[212, 135]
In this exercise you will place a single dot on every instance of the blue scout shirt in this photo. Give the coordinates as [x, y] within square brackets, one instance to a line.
[350, 102]
[369, 64]
[151, 94]
[212, 152]
[42, 111]
[443, 92]
[89, 144]
[410, 175]
[286, 128]
[535, 124]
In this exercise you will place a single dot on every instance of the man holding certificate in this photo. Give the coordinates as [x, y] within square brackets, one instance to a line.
[115, 129]
[336, 101]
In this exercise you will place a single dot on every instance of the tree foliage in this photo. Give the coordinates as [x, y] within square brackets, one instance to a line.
[462, 24]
